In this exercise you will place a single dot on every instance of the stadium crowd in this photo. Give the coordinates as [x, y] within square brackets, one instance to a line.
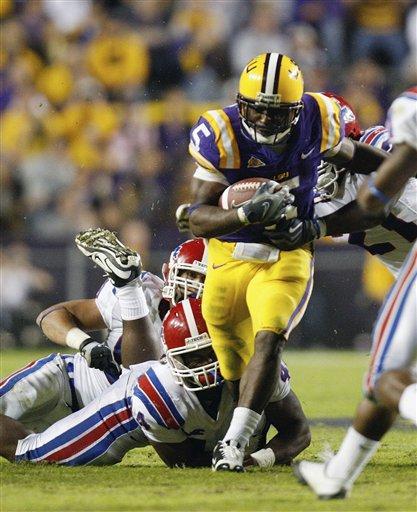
[97, 99]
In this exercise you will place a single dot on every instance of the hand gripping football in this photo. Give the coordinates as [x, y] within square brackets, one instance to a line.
[242, 191]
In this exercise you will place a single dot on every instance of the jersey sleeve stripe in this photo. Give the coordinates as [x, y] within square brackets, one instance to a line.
[234, 147]
[330, 121]
[218, 138]
[200, 158]
[165, 396]
[149, 405]
[225, 140]
[148, 389]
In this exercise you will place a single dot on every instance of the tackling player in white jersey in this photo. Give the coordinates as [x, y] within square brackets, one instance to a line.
[53, 387]
[391, 378]
[179, 406]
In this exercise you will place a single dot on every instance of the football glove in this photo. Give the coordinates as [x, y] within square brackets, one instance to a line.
[266, 207]
[294, 233]
[99, 356]
[182, 217]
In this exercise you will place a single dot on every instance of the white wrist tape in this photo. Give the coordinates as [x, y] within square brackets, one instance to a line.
[242, 217]
[132, 301]
[265, 457]
[75, 337]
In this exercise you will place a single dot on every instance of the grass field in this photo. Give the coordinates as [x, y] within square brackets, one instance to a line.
[328, 385]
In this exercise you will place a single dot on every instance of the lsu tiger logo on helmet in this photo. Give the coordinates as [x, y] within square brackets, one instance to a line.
[269, 99]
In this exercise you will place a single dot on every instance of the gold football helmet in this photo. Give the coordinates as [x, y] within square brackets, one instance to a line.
[269, 97]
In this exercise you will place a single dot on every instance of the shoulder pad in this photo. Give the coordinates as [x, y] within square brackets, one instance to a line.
[157, 401]
[331, 121]
[213, 142]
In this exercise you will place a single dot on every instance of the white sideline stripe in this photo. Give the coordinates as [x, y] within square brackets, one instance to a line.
[190, 318]
[270, 77]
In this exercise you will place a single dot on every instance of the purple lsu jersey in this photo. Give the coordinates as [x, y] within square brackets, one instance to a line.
[221, 147]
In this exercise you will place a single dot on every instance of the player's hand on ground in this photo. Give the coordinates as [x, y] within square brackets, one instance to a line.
[294, 233]
[99, 356]
[182, 217]
[267, 205]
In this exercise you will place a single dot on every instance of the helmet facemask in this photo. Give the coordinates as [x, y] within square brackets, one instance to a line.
[329, 181]
[267, 121]
[185, 280]
[195, 366]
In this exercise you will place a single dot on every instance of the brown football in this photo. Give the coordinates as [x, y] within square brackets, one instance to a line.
[237, 194]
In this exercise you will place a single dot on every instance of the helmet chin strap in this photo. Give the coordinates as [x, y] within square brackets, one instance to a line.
[270, 140]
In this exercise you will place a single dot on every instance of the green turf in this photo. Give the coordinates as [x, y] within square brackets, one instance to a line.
[328, 384]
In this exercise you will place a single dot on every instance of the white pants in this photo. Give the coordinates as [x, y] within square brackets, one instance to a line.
[40, 393]
[100, 433]
[51, 388]
[394, 342]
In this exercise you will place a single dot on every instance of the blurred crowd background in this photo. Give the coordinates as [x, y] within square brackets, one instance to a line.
[97, 99]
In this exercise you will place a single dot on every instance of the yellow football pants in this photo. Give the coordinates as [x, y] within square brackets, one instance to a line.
[242, 298]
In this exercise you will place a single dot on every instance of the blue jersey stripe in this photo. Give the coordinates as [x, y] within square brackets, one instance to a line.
[167, 399]
[149, 405]
[65, 437]
[103, 445]
[390, 336]
[21, 375]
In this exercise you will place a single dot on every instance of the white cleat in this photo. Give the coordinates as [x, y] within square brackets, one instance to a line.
[121, 264]
[314, 475]
[227, 456]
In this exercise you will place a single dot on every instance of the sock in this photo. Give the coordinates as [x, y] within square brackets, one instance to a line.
[132, 301]
[242, 426]
[353, 455]
[408, 403]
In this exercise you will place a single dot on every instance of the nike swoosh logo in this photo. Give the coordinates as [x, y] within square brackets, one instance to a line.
[296, 228]
[305, 155]
[218, 266]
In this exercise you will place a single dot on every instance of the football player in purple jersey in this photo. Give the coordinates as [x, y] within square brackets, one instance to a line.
[256, 294]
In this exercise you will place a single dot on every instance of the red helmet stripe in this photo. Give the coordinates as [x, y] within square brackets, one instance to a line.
[189, 316]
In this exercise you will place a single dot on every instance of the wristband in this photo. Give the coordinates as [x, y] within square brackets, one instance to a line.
[242, 216]
[132, 301]
[265, 457]
[75, 338]
[383, 198]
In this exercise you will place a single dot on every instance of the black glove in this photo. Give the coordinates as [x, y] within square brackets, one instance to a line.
[266, 207]
[182, 217]
[98, 355]
[294, 233]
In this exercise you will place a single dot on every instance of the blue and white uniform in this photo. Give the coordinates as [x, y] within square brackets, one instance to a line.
[168, 413]
[53, 387]
[144, 405]
[394, 342]
[392, 240]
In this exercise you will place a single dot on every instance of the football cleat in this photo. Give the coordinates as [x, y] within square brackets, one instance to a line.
[121, 264]
[325, 487]
[227, 456]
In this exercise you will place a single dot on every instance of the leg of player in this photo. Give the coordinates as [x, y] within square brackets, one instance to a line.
[11, 431]
[254, 393]
[123, 267]
[99, 434]
[393, 348]
[397, 390]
